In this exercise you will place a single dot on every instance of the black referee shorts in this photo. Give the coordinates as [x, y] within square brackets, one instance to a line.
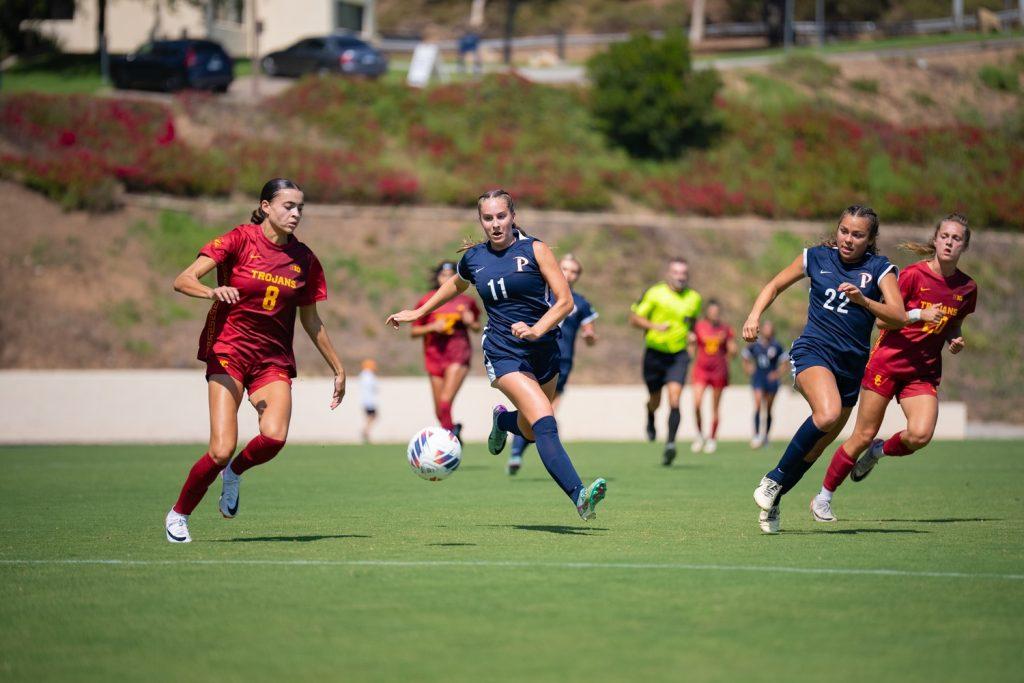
[660, 368]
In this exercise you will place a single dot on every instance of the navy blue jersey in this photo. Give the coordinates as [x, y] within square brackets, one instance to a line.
[511, 287]
[582, 313]
[833, 322]
[766, 357]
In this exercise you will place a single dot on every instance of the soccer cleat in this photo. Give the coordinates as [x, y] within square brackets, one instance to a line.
[457, 431]
[496, 441]
[176, 528]
[229, 493]
[821, 510]
[589, 497]
[867, 462]
[710, 446]
[766, 493]
[698, 445]
[669, 455]
[769, 520]
[514, 463]
[755, 442]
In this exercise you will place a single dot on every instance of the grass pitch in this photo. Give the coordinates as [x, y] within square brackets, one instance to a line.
[343, 565]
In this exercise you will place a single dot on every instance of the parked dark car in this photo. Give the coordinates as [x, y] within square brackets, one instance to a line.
[173, 65]
[338, 54]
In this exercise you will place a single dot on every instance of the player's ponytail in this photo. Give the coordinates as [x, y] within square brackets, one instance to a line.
[267, 194]
[927, 249]
[859, 211]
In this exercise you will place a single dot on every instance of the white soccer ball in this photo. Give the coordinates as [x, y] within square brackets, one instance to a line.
[434, 453]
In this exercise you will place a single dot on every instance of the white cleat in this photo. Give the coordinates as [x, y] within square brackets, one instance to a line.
[176, 527]
[710, 446]
[229, 493]
[766, 493]
[755, 442]
[698, 445]
[769, 520]
[821, 510]
[867, 462]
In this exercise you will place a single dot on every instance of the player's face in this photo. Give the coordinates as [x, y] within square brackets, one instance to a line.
[444, 275]
[285, 211]
[571, 271]
[678, 276]
[853, 237]
[949, 242]
[714, 314]
[496, 219]
[768, 330]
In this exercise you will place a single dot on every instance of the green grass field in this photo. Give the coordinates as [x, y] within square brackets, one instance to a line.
[343, 565]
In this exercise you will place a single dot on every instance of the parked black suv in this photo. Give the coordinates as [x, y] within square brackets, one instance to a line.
[341, 54]
[173, 65]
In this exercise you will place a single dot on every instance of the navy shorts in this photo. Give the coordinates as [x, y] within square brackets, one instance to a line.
[760, 382]
[806, 353]
[563, 376]
[660, 368]
[542, 360]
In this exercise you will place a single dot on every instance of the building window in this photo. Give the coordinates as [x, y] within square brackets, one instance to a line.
[232, 11]
[348, 16]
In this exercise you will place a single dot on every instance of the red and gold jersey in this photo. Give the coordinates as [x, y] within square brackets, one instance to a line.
[917, 348]
[455, 333]
[272, 281]
[712, 346]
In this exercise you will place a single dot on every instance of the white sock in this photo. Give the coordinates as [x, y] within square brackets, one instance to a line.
[825, 494]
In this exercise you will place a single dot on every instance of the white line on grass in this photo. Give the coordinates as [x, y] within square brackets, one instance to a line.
[529, 565]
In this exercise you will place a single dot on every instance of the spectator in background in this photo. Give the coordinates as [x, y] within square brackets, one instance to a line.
[368, 395]
[469, 44]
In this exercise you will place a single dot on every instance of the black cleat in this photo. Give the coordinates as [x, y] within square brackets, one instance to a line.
[669, 454]
[457, 431]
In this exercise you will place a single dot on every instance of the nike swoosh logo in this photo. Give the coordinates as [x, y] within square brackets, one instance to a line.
[234, 509]
[478, 270]
[826, 272]
[179, 539]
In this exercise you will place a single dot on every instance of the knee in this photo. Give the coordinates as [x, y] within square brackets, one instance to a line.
[826, 418]
[221, 452]
[277, 432]
[917, 439]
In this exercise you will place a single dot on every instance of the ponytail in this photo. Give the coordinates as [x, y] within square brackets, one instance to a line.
[258, 215]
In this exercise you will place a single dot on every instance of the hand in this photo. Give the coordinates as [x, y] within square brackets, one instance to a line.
[440, 326]
[590, 339]
[931, 315]
[396, 319]
[339, 390]
[523, 331]
[956, 345]
[852, 293]
[660, 327]
[773, 376]
[228, 295]
[750, 329]
[467, 316]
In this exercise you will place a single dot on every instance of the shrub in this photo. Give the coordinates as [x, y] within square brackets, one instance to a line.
[868, 86]
[647, 99]
[809, 70]
[999, 78]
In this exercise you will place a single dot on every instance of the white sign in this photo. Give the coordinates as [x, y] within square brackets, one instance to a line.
[423, 66]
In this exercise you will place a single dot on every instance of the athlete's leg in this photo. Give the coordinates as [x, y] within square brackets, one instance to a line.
[675, 392]
[436, 386]
[454, 376]
[716, 400]
[273, 402]
[870, 412]
[698, 399]
[759, 400]
[769, 401]
[922, 413]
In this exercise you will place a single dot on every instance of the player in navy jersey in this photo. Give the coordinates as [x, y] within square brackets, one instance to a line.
[525, 296]
[761, 360]
[578, 323]
[851, 285]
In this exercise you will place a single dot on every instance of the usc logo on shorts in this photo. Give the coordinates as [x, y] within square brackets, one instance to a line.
[878, 380]
[223, 362]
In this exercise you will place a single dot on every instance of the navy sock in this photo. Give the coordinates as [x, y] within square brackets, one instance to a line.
[519, 444]
[768, 424]
[556, 460]
[509, 422]
[791, 466]
[757, 422]
[650, 419]
[673, 425]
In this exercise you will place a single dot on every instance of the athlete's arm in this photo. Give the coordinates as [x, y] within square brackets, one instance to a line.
[890, 309]
[748, 366]
[449, 290]
[589, 335]
[314, 327]
[782, 281]
[423, 330]
[188, 283]
[730, 348]
[559, 287]
[645, 324]
[955, 337]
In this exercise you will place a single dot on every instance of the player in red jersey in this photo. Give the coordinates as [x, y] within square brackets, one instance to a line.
[264, 276]
[906, 363]
[446, 347]
[715, 345]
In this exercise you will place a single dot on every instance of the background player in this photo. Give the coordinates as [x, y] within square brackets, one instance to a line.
[578, 323]
[264, 275]
[666, 312]
[715, 345]
[761, 360]
[848, 281]
[446, 347]
[368, 395]
[514, 274]
[907, 363]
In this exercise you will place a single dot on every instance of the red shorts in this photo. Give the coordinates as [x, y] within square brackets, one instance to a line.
[252, 374]
[437, 361]
[899, 387]
[710, 378]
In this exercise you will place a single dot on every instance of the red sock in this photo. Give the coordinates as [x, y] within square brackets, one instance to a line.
[895, 446]
[444, 414]
[840, 467]
[714, 428]
[258, 451]
[199, 479]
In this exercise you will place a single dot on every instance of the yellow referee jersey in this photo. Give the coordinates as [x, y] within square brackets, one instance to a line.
[661, 304]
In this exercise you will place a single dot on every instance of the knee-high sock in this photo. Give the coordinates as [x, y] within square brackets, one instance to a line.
[258, 451]
[840, 467]
[757, 422]
[650, 419]
[444, 414]
[519, 444]
[556, 460]
[202, 474]
[509, 422]
[895, 445]
[767, 423]
[673, 424]
[792, 466]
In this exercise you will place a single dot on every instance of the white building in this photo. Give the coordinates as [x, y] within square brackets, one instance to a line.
[233, 23]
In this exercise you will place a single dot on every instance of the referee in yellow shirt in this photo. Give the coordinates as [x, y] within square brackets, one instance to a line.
[667, 312]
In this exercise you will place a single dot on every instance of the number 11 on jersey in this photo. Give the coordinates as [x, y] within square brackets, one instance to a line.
[501, 286]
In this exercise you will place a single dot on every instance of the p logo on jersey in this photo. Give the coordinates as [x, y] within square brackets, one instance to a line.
[865, 279]
[521, 262]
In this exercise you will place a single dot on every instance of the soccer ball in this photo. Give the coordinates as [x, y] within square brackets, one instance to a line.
[434, 453]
